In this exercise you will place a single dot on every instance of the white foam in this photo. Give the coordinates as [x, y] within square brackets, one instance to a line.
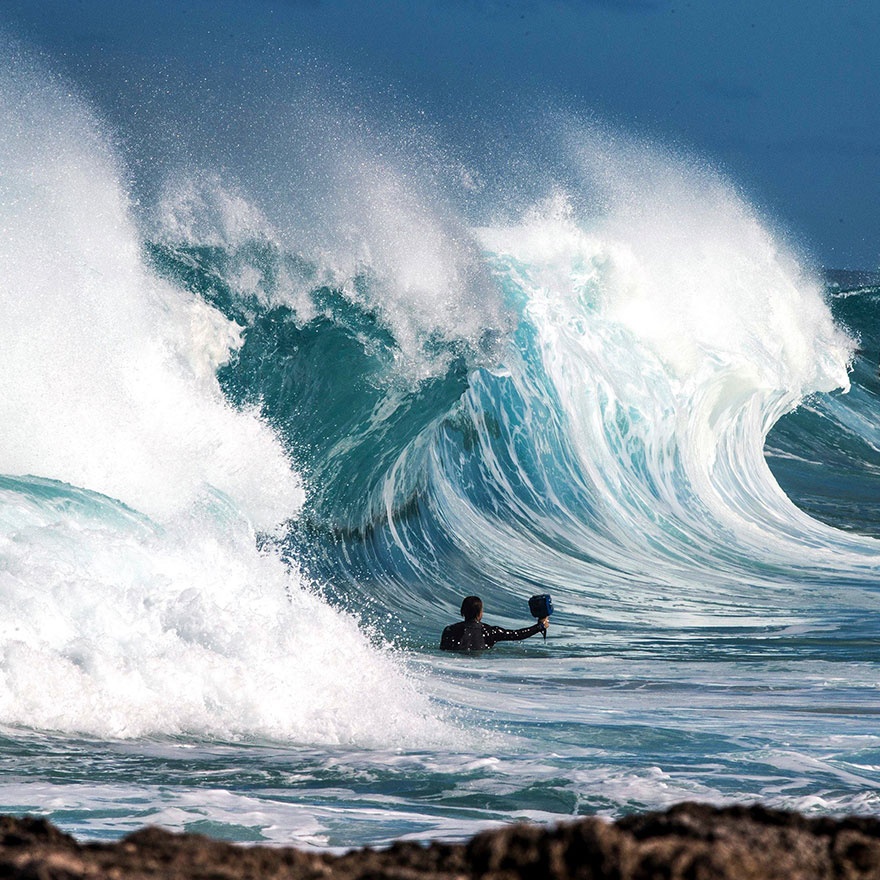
[115, 627]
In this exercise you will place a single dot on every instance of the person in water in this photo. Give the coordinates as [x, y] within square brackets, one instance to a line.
[473, 635]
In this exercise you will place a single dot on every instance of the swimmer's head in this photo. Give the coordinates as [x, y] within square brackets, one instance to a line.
[472, 608]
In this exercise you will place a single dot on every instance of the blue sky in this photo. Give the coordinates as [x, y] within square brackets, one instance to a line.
[784, 97]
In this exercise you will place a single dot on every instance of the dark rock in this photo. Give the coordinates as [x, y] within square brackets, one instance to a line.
[687, 842]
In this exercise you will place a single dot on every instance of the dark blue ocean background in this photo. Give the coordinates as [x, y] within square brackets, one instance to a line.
[288, 372]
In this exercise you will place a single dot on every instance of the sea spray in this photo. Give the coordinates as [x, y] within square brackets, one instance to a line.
[109, 381]
[376, 224]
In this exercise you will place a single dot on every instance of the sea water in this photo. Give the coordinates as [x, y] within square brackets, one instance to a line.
[249, 469]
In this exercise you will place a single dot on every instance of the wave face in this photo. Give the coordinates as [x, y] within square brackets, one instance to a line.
[249, 471]
[825, 453]
[609, 447]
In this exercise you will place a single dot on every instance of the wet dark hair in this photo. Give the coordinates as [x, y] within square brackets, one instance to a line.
[471, 606]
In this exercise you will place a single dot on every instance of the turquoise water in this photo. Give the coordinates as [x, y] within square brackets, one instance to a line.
[247, 479]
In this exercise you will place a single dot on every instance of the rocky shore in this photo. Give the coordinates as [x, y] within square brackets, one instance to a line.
[689, 841]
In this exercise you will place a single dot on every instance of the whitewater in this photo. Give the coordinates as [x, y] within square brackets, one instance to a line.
[248, 469]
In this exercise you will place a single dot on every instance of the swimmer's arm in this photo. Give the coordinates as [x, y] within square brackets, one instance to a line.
[499, 634]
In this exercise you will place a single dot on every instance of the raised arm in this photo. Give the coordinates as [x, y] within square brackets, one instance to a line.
[495, 634]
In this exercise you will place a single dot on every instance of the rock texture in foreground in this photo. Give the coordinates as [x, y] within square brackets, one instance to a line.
[691, 841]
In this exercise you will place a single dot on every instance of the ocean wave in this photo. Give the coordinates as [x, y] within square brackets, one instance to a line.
[137, 596]
[276, 438]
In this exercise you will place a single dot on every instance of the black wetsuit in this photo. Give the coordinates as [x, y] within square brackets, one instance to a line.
[472, 635]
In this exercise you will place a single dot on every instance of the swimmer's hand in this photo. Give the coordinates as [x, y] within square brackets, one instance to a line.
[545, 624]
